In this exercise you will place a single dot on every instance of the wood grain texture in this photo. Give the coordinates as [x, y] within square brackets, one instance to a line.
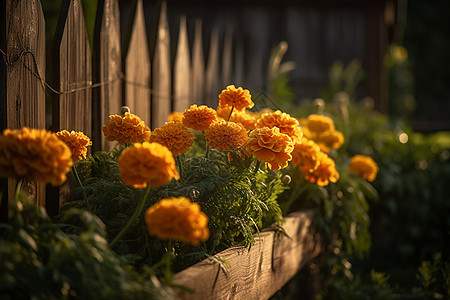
[182, 70]
[25, 76]
[227, 58]
[161, 85]
[198, 65]
[107, 67]
[212, 74]
[137, 67]
[258, 272]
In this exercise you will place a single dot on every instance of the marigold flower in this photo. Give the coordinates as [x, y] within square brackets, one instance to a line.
[175, 116]
[330, 139]
[235, 97]
[35, 153]
[319, 123]
[147, 164]
[283, 121]
[77, 142]
[244, 117]
[177, 219]
[305, 154]
[269, 145]
[127, 129]
[199, 118]
[224, 135]
[364, 166]
[324, 173]
[175, 136]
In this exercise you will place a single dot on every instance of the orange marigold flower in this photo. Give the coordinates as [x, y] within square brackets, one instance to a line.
[127, 129]
[199, 118]
[225, 135]
[244, 117]
[269, 145]
[77, 142]
[324, 173]
[237, 97]
[177, 219]
[319, 123]
[305, 154]
[175, 136]
[35, 153]
[364, 166]
[147, 164]
[283, 121]
[330, 139]
[176, 116]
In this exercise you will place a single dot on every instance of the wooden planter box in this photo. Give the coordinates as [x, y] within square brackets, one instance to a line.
[258, 272]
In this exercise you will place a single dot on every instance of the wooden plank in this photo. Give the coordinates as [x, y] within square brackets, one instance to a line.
[182, 70]
[212, 84]
[161, 85]
[24, 45]
[72, 75]
[258, 272]
[137, 66]
[227, 58]
[107, 69]
[198, 65]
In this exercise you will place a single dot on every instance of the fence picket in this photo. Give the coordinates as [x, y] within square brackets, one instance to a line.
[227, 58]
[212, 76]
[198, 65]
[24, 90]
[161, 85]
[107, 67]
[182, 71]
[137, 67]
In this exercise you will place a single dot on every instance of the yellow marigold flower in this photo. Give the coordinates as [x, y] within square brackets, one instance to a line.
[127, 129]
[235, 97]
[269, 145]
[244, 117]
[330, 139]
[35, 153]
[319, 123]
[176, 116]
[199, 118]
[364, 166]
[147, 164]
[324, 173]
[175, 136]
[177, 219]
[283, 121]
[305, 154]
[225, 135]
[77, 142]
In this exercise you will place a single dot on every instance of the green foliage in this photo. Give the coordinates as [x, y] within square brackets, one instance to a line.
[39, 259]
[434, 277]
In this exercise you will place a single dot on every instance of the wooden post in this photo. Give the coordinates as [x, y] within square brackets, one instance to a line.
[182, 71]
[107, 69]
[22, 81]
[212, 76]
[198, 65]
[72, 75]
[137, 66]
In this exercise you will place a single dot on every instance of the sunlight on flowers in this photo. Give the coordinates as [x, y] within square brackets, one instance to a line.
[364, 166]
[175, 136]
[226, 135]
[238, 98]
[127, 129]
[199, 118]
[284, 122]
[77, 142]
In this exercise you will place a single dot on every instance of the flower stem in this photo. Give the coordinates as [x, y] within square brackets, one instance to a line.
[258, 163]
[77, 178]
[180, 166]
[231, 111]
[208, 149]
[133, 218]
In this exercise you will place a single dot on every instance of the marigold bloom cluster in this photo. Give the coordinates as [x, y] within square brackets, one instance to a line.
[364, 166]
[147, 164]
[238, 98]
[269, 145]
[175, 116]
[77, 142]
[321, 129]
[127, 129]
[35, 153]
[175, 136]
[199, 118]
[284, 122]
[324, 173]
[244, 117]
[177, 219]
[225, 135]
[306, 154]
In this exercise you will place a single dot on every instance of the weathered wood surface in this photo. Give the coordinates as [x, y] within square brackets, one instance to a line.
[137, 67]
[24, 77]
[198, 65]
[212, 74]
[161, 85]
[256, 273]
[107, 69]
[182, 70]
